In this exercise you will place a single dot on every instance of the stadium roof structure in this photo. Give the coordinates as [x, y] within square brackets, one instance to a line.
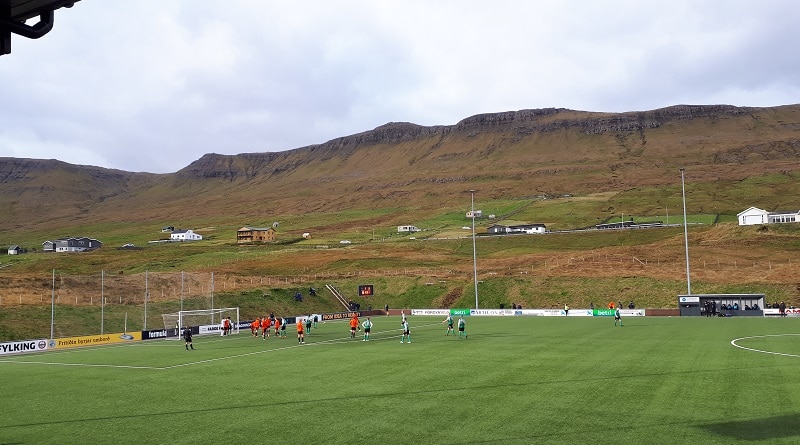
[15, 13]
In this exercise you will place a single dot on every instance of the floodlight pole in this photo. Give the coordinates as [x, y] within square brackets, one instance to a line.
[53, 307]
[181, 290]
[685, 235]
[102, 301]
[474, 252]
[146, 294]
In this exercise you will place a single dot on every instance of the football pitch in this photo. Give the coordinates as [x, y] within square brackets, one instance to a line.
[515, 380]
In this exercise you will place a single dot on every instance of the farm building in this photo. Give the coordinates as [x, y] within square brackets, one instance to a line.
[754, 215]
[185, 235]
[255, 235]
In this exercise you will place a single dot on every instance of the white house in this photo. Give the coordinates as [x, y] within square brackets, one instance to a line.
[754, 215]
[475, 213]
[185, 235]
[409, 229]
[529, 229]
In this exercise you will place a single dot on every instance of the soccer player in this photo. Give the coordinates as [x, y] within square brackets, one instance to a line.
[187, 336]
[254, 327]
[406, 333]
[367, 325]
[462, 327]
[301, 335]
[353, 325]
[449, 321]
[308, 323]
[617, 317]
[283, 327]
[223, 327]
[403, 314]
[278, 327]
[265, 324]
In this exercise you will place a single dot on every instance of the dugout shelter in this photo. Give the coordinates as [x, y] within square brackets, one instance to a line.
[726, 304]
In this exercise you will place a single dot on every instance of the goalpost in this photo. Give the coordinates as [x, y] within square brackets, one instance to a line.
[210, 319]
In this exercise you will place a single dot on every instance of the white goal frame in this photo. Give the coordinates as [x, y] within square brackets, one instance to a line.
[196, 317]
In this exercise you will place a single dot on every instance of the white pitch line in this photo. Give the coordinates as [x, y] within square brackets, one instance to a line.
[90, 365]
[733, 342]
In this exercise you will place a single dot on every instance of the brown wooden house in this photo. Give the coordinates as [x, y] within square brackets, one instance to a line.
[255, 235]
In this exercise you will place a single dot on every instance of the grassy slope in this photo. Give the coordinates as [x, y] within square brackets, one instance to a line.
[565, 178]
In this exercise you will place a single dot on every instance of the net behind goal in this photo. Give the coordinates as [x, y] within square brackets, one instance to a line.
[208, 320]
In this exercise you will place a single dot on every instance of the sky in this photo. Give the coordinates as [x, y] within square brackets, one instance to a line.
[153, 85]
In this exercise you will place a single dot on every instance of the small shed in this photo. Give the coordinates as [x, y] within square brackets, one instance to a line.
[14, 250]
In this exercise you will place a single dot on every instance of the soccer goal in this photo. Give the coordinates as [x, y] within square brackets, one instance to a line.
[208, 320]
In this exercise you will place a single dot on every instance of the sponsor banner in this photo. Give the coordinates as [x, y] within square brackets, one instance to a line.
[491, 312]
[550, 312]
[578, 313]
[459, 312]
[688, 299]
[772, 312]
[536, 312]
[94, 340]
[208, 329]
[603, 312]
[631, 312]
[159, 333]
[243, 325]
[15, 347]
[336, 316]
[439, 312]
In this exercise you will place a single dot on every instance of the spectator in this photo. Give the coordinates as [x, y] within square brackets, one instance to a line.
[631, 305]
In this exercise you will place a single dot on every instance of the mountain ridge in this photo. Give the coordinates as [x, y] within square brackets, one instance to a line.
[513, 153]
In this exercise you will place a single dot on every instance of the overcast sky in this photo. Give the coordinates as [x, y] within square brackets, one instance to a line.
[152, 85]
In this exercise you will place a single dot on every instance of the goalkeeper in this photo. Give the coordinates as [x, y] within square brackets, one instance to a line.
[187, 336]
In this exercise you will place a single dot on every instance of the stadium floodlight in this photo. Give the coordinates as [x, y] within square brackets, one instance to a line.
[474, 252]
[685, 235]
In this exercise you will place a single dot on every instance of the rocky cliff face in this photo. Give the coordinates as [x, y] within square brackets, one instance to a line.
[523, 122]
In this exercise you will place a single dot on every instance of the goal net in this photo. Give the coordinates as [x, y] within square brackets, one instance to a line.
[208, 320]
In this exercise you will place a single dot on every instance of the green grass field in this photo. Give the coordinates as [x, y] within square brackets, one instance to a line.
[515, 380]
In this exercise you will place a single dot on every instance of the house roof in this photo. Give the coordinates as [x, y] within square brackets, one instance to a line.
[784, 212]
[13, 247]
[750, 210]
[254, 229]
[764, 212]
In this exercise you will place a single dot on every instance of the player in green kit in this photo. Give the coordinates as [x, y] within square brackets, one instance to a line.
[617, 317]
[367, 325]
[449, 321]
[462, 325]
[406, 333]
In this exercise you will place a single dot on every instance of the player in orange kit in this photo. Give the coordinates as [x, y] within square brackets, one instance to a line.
[301, 336]
[353, 326]
[277, 327]
[265, 323]
[254, 327]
